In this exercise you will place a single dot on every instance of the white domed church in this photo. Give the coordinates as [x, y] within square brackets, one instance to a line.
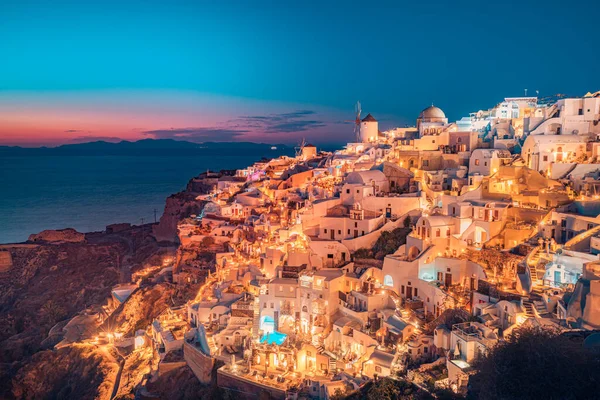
[431, 121]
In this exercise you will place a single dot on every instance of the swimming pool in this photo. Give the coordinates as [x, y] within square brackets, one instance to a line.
[273, 338]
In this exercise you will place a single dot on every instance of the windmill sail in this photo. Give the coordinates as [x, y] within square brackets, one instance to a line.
[357, 109]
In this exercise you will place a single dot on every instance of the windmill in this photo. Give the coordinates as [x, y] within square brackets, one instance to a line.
[357, 110]
[300, 148]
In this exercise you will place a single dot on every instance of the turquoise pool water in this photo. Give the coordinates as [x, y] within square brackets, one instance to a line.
[274, 338]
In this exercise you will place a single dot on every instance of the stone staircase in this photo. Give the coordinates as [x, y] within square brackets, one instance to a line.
[214, 350]
[552, 111]
[332, 365]
[572, 243]
[256, 319]
[536, 260]
[529, 308]
[537, 267]
[318, 341]
[541, 310]
[571, 169]
[396, 299]
[431, 325]
[549, 115]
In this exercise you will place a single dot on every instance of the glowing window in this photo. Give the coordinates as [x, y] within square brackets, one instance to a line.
[388, 281]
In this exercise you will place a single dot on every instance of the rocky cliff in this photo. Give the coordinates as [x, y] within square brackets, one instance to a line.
[49, 283]
[181, 384]
[52, 278]
[144, 305]
[5, 261]
[179, 206]
[61, 235]
[76, 372]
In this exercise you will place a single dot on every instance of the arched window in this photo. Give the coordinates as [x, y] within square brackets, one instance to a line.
[437, 233]
[388, 280]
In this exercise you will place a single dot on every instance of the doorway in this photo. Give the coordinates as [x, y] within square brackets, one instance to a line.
[557, 277]
[448, 281]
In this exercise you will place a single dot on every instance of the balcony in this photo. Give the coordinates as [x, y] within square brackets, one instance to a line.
[243, 305]
[353, 307]
[469, 332]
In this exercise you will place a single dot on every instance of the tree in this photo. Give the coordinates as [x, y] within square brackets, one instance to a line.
[389, 241]
[447, 394]
[208, 241]
[338, 394]
[389, 389]
[363, 253]
[536, 363]
[406, 222]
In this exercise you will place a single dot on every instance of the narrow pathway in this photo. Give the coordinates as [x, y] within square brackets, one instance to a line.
[119, 373]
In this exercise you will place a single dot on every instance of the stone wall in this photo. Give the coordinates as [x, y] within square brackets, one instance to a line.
[165, 367]
[201, 364]
[246, 389]
[368, 240]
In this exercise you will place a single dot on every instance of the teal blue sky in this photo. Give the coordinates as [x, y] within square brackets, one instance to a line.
[275, 58]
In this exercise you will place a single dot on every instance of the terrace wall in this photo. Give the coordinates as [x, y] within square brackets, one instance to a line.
[245, 389]
[200, 364]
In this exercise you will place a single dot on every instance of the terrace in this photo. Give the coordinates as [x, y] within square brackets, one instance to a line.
[474, 332]
[274, 380]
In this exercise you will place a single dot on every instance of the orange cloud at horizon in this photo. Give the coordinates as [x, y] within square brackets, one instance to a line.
[54, 118]
[58, 126]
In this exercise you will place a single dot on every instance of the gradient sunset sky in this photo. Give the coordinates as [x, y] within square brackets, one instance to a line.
[74, 71]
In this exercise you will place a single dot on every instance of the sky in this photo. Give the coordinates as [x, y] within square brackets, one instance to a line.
[276, 72]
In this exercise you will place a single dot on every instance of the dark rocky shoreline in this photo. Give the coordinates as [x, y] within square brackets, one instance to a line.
[56, 275]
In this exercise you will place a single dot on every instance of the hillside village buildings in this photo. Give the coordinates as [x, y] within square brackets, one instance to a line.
[494, 222]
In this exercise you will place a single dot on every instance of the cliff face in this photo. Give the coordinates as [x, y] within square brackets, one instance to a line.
[5, 261]
[48, 284]
[56, 275]
[78, 372]
[142, 307]
[181, 384]
[179, 206]
[201, 184]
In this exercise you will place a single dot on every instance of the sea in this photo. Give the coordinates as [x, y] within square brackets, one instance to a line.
[89, 192]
